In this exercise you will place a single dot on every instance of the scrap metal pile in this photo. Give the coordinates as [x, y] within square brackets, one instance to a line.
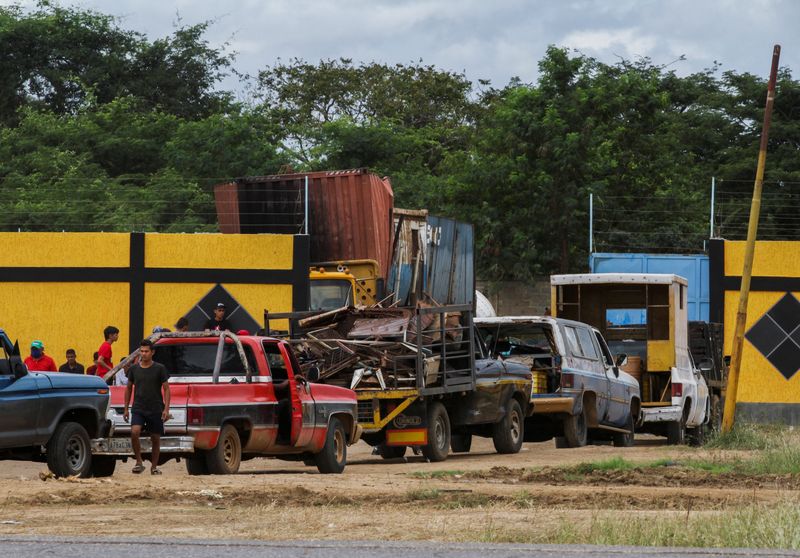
[379, 348]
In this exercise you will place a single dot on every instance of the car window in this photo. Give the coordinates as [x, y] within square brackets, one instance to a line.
[572, 341]
[277, 365]
[198, 359]
[587, 344]
[604, 349]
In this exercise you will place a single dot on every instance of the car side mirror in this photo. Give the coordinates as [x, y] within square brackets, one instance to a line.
[313, 374]
[18, 367]
[621, 360]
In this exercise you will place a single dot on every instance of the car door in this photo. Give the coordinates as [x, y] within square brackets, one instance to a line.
[20, 410]
[618, 399]
[488, 394]
[596, 378]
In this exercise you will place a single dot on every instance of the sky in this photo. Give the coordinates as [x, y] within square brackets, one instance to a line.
[485, 39]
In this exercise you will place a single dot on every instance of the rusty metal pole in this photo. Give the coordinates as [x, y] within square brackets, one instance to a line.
[752, 228]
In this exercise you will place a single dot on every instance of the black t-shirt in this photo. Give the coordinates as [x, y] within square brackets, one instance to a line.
[213, 324]
[77, 370]
[147, 396]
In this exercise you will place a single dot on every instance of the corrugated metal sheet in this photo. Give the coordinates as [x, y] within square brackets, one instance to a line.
[349, 211]
[693, 267]
[450, 261]
[226, 197]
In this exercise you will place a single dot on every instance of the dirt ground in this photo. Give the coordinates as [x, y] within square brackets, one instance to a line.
[478, 492]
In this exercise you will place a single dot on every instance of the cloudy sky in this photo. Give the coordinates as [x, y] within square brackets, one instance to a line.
[488, 39]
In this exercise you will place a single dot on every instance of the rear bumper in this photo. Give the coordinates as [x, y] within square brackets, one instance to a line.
[122, 446]
[669, 413]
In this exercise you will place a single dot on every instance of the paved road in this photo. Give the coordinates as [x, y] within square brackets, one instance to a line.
[36, 547]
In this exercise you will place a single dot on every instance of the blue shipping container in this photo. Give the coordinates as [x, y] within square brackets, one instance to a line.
[692, 267]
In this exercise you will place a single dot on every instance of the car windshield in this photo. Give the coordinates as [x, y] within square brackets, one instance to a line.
[508, 339]
[329, 294]
[193, 359]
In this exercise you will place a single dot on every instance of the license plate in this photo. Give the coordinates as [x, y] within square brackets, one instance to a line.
[120, 445]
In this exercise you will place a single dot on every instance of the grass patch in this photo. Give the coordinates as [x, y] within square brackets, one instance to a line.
[747, 436]
[464, 501]
[435, 474]
[613, 464]
[423, 494]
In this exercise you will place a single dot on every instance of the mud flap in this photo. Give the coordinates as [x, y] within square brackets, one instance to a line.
[410, 427]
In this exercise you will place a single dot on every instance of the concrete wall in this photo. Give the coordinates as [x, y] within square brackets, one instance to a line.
[515, 298]
[64, 288]
[769, 384]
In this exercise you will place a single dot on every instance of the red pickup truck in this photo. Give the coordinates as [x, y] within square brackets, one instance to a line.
[239, 397]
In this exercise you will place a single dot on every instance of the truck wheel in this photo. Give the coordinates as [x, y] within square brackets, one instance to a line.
[676, 432]
[103, 466]
[438, 433]
[196, 464]
[391, 452]
[333, 456]
[68, 451]
[226, 456]
[576, 433]
[460, 443]
[624, 440]
[508, 432]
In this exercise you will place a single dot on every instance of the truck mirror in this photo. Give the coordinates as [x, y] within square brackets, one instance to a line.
[18, 367]
[621, 360]
[313, 374]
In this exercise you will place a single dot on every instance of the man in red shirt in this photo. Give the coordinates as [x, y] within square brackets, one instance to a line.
[104, 363]
[38, 361]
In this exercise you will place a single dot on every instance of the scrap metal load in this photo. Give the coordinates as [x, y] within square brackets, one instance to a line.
[387, 348]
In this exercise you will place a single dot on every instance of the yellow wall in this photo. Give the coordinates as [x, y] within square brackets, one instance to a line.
[65, 315]
[760, 381]
[73, 314]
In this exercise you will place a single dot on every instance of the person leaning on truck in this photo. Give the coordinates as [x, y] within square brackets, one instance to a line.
[150, 404]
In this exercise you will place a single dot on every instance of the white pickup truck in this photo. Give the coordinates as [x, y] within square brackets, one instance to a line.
[644, 316]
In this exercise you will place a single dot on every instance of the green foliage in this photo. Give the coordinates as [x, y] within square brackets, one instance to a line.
[612, 464]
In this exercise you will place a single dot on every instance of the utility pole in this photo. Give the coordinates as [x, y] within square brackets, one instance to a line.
[752, 228]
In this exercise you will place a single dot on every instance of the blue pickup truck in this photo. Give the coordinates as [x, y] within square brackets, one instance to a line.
[51, 417]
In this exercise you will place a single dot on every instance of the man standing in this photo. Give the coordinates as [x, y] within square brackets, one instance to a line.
[38, 361]
[150, 408]
[72, 366]
[104, 363]
[218, 322]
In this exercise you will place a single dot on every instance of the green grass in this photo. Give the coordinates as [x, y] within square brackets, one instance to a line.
[756, 526]
[613, 464]
[748, 437]
[435, 474]
[423, 494]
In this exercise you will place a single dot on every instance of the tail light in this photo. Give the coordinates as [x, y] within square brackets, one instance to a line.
[567, 380]
[677, 390]
[194, 415]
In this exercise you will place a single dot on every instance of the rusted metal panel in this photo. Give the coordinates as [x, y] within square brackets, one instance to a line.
[348, 212]
[226, 197]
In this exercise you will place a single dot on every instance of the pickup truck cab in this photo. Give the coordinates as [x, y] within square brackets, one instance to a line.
[579, 392]
[50, 417]
[240, 397]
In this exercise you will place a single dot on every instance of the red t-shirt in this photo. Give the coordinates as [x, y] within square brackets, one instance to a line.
[105, 352]
[42, 364]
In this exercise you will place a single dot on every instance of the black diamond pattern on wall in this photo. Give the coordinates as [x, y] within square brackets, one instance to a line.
[236, 314]
[777, 335]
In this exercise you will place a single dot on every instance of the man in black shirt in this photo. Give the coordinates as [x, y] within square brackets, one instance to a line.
[71, 366]
[150, 408]
[218, 322]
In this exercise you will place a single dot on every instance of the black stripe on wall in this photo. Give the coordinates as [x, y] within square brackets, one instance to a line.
[716, 280]
[137, 279]
[301, 288]
[768, 284]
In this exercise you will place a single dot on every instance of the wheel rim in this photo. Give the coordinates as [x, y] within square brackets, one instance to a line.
[338, 444]
[516, 426]
[229, 450]
[438, 433]
[76, 452]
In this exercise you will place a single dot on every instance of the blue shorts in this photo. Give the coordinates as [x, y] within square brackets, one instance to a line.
[151, 422]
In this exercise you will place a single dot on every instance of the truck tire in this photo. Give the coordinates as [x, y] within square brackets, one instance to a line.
[576, 432]
[103, 466]
[391, 452]
[460, 443]
[333, 457]
[438, 433]
[508, 432]
[69, 453]
[676, 432]
[196, 464]
[624, 440]
[226, 456]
